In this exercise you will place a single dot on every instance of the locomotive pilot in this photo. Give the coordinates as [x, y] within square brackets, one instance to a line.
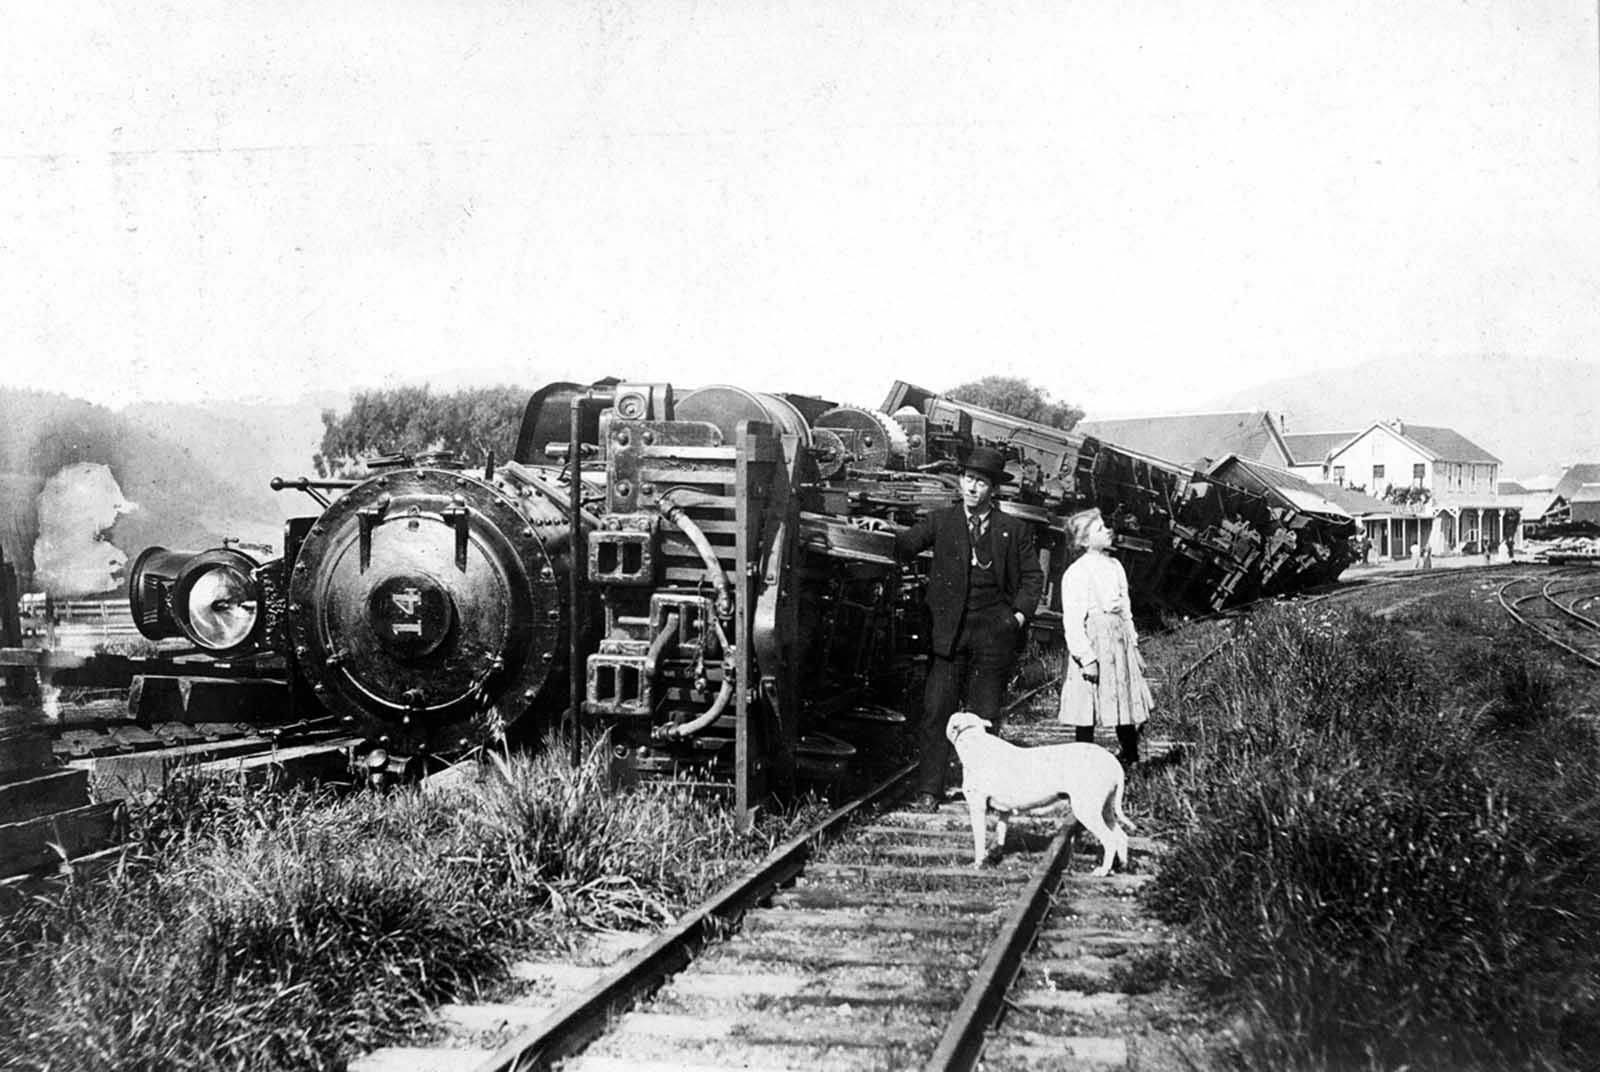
[983, 587]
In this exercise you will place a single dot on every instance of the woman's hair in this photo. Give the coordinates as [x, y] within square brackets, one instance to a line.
[1078, 524]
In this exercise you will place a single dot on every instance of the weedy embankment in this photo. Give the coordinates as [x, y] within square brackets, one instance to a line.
[1386, 841]
[251, 930]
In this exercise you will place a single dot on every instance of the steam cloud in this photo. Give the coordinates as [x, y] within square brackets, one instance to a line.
[77, 508]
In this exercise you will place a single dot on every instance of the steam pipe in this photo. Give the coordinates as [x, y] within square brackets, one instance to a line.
[659, 644]
[719, 703]
[711, 714]
[673, 512]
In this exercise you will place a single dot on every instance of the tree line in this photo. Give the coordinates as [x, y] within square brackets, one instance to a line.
[474, 422]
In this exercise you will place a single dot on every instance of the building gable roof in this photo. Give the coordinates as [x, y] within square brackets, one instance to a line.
[1447, 444]
[1190, 438]
[1575, 477]
[1313, 448]
[1439, 444]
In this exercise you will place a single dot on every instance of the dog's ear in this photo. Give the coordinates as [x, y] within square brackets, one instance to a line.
[985, 723]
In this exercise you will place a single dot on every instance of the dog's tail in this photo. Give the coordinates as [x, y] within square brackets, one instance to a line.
[1116, 803]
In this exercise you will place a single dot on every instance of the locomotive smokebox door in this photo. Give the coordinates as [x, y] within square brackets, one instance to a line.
[411, 615]
[422, 599]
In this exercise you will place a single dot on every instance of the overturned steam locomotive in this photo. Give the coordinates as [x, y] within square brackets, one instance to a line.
[709, 576]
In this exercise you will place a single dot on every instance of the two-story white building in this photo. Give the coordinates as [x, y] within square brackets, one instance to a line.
[1450, 499]
[1442, 486]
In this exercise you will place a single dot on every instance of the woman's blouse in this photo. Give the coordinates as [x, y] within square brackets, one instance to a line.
[1095, 584]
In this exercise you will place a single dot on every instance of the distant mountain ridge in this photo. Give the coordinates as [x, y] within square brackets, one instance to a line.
[201, 472]
[1536, 416]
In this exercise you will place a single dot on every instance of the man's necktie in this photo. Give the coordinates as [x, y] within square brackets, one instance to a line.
[975, 528]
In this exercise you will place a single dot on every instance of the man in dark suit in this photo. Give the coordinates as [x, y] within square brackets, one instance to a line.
[983, 588]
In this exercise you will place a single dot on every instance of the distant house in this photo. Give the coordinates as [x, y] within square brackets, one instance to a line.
[1573, 479]
[1576, 496]
[1443, 488]
[1423, 485]
[1197, 439]
[1584, 506]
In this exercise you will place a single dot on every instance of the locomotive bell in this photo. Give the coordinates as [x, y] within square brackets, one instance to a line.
[423, 597]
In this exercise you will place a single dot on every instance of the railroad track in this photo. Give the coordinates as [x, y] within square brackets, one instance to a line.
[1559, 608]
[868, 942]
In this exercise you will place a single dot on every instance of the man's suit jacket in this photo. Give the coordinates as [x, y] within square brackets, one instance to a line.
[1016, 566]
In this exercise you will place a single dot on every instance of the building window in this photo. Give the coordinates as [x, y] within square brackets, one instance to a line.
[1377, 476]
[1419, 473]
[1338, 475]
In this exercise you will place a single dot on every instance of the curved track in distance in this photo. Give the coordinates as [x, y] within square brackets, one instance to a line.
[1548, 607]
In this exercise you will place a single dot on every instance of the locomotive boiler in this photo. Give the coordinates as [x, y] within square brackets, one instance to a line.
[674, 570]
[709, 577]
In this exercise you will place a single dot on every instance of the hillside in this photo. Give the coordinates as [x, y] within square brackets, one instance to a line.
[247, 442]
[188, 493]
[1536, 416]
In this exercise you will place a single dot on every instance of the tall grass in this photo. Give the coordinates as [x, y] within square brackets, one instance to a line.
[269, 931]
[1385, 845]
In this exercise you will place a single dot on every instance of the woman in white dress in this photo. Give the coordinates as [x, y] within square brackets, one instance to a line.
[1102, 681]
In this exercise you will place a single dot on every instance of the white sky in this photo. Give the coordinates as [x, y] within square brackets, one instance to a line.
[1133, 205]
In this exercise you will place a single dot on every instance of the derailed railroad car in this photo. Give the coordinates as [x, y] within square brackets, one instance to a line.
[709, 576]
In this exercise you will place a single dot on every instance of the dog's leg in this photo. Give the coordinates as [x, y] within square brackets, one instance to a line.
[977, 811]
[1000, 828]
[1119, 824]
[1122, 818]
[1095, 823]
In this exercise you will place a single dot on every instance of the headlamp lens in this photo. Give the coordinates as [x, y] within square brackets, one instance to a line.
[222, 607]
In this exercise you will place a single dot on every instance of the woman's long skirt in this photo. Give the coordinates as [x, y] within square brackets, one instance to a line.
[1121, 697]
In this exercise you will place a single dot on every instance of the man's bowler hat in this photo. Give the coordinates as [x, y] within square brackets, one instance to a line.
[988, 463]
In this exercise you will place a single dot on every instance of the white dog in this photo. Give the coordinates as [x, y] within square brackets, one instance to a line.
[1009, 779]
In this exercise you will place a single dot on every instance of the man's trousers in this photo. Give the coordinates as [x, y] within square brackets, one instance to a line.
[972, 679]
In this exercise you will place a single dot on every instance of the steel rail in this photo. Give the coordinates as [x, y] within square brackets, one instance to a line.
[1582, 591]
[962, 1043]
[1536, 630]
[568, 1029]
[1050, 683]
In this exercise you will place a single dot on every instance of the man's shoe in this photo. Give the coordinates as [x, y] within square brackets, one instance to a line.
[925, 802]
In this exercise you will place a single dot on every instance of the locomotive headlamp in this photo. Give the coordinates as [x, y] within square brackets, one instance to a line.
[210, 597]
[222, 608]
[150, 591]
